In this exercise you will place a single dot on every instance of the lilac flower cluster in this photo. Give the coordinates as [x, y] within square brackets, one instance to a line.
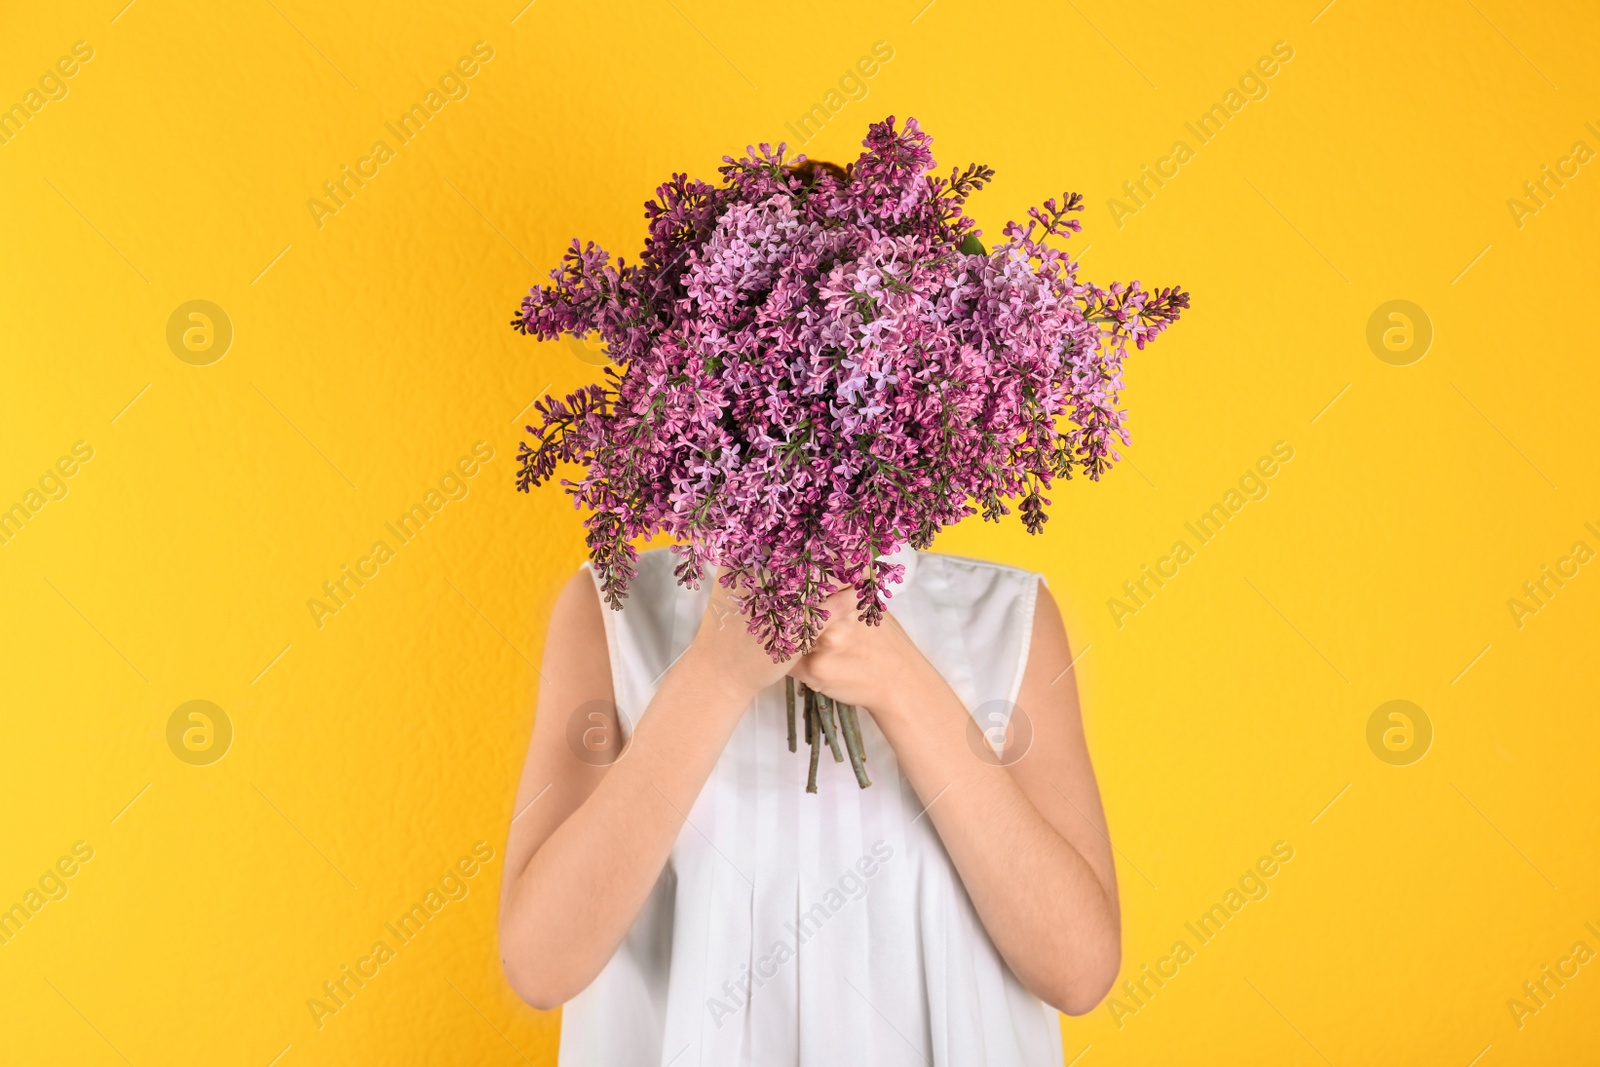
[815, 366]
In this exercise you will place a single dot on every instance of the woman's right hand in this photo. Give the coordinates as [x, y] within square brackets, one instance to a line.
[725, 644]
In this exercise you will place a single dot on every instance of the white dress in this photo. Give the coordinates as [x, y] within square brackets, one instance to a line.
[815, 930]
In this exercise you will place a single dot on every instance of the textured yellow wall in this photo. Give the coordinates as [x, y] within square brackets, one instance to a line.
[366, 752]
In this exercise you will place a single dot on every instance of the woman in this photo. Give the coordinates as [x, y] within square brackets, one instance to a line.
[675, 886]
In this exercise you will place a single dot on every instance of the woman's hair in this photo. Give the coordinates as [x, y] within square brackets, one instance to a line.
[809, 170]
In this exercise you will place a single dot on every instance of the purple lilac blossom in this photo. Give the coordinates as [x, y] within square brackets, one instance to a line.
[812, 371]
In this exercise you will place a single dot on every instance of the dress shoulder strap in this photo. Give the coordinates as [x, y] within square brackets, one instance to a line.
[657, 620]
[974, 621]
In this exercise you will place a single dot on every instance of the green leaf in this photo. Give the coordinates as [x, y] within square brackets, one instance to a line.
[973, 247]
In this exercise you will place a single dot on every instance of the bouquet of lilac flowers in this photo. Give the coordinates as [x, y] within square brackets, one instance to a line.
[814, 366]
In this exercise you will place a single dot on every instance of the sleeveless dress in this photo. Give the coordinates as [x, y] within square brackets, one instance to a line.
[827, 929]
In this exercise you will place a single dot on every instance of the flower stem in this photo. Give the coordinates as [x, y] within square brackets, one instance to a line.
[816, 740]
[826, 720]
[825, 712]
[851, 725]
[809, 701]
[788, 702]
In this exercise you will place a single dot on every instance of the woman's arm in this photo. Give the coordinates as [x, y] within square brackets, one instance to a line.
[1028, 839]
[587, 841]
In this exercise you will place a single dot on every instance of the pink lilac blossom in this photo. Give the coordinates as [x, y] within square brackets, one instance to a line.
[814, 367]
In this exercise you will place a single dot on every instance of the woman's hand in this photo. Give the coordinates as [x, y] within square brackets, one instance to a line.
[855, 663]
[727, 648]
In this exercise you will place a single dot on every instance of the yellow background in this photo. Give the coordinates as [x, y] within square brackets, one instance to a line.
[371, 353]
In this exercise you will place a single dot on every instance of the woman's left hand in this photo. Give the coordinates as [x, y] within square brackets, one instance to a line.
[855, 663]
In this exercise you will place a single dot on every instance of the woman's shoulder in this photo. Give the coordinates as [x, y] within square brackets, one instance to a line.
[980, 595]
[660, 563]
[654, 576]
[976, 566]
